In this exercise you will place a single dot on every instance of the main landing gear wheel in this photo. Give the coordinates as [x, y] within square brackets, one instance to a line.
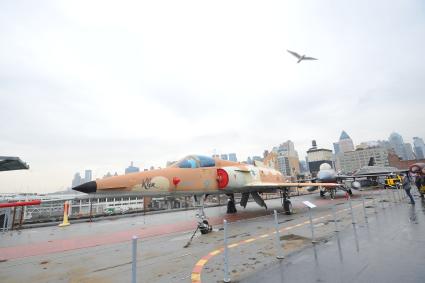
[203, 224]
[231, 206]
[322, 194]
[350, 192]
[287, 207]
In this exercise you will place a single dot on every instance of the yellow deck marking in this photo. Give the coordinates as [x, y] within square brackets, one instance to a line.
[216, 252]
[202, 262]
[196, 277]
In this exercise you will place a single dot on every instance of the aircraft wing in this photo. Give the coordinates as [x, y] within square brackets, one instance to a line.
[345, 177]
[12, 163]
[294, 53]
[309, 58]
[262, 185]
[378, 174]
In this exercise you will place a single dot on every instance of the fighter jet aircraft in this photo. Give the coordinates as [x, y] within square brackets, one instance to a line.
[328, 175]
[365, 176]
[197, 175]
[299, 57]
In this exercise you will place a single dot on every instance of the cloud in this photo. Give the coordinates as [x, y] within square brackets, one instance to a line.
[96, 85]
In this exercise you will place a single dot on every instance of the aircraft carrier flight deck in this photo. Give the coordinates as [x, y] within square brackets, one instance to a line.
[375, 236]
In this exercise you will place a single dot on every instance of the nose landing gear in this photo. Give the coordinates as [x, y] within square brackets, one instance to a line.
[286, 203]
[204, 227]
[203, 224]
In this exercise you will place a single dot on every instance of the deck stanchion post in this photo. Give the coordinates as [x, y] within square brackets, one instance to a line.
[351, 211]
[279, 249]
[226, 278]
[311, 226]
[364, 209]
[335, 219]
[134, 260]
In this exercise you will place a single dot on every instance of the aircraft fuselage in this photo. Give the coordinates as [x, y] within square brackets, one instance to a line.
[229, 177]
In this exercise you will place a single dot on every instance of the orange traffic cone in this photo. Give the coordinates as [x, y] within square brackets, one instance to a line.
[65, 215]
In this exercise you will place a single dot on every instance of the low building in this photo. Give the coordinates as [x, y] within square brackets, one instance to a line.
[352, 160]
[132, 169]
[232, 157]
[395, 161]
[317, 156]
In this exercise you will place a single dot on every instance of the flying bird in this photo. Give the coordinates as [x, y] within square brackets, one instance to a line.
[299, 57]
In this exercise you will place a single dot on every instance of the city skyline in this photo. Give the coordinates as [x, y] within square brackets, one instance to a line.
[132, 168]
[98, 84]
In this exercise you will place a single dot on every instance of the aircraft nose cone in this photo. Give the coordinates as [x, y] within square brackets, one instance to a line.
[88, 188]
[322, 176]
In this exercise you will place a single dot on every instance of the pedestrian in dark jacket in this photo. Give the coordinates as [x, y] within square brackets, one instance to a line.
[420, 181]
[407, 186]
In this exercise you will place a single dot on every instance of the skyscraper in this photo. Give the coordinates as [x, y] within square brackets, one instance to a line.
[419, 147]
[397, 144]
[77, 180]
[291, 161]
[224, 157]
[337, 150]
[87, 176]
[288, 148]
[409, 151]
[283, 164]
[344, 144]
[278, 161]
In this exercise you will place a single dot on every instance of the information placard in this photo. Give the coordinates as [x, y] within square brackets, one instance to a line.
[309, 204]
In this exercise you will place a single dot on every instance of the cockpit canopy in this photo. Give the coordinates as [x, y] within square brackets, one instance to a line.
[195, 161]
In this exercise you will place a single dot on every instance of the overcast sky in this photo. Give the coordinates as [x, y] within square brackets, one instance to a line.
[97, 84]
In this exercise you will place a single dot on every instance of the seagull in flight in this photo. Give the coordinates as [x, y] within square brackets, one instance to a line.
[299, 57]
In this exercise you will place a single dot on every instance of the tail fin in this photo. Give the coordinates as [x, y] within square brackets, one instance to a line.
[258, 163]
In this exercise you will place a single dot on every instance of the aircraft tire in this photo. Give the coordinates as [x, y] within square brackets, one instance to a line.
[231, 207]
[287, 207]
[350, 192]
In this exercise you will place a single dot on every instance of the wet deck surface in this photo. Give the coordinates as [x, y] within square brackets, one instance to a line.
[101, 251]
[389, 248]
